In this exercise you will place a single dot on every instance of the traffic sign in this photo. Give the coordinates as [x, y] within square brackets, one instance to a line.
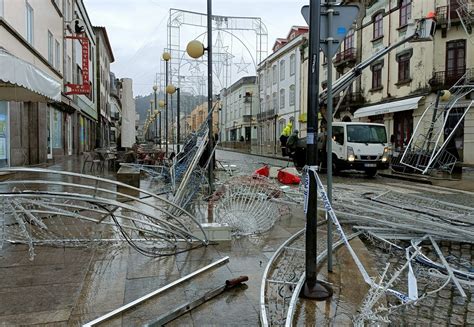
[342, 20]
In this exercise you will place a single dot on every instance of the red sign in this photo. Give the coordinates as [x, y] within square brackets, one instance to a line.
[85, 87]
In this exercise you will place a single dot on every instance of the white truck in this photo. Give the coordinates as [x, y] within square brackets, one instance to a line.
[355, 146]
[359, 146]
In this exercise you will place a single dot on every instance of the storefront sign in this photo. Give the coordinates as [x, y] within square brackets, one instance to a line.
[85, 87]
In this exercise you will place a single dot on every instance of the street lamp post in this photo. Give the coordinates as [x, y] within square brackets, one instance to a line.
[151, 116]
[162, 104]
[196, 49]
[170, 89]
[166, 57]
[155, 87]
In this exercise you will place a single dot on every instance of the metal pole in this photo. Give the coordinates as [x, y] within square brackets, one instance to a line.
[210, 145]
[275, 135]
[178, 127]
[251, 118]
[166, 110]
[330, 41]
[156, 119]
[161, 290]
[313, 288]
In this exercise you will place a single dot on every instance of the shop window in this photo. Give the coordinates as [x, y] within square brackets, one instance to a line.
[57, 129]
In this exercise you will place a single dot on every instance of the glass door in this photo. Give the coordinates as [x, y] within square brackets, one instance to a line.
[49, 123]
[69, 134]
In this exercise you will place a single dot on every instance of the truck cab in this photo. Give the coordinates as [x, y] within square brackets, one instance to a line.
[360, 146]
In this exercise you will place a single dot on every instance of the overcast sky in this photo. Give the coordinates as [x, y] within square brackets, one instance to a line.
[137, 29]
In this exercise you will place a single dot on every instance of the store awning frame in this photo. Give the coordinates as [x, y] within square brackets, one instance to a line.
[388, 107]
[21, 81]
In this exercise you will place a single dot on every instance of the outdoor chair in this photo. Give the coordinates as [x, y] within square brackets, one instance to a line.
[95, 161]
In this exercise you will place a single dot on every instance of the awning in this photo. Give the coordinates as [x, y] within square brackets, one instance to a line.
[388, 107]
[21, 81]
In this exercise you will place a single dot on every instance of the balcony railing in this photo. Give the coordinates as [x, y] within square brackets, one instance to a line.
[351, 99]
[447, 78]
[266, 115]
[443, 13]
[247, 118]
[347, 55]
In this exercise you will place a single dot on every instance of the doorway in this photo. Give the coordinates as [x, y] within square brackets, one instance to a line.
[403, 128]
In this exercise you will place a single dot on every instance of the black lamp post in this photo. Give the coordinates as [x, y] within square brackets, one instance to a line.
[170, 89]
[166, 57]
[196, 49]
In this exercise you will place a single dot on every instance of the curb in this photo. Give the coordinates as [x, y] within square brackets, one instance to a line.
[406, 178]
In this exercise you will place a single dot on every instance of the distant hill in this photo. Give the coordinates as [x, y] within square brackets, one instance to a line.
[188, 103]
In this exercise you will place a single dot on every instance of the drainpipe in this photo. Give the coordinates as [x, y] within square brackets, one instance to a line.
[389, 43]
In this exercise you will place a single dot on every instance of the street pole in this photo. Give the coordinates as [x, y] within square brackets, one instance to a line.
[210, 145]
[251, 118]
[156, 119]
[330, 40]
[166, 110]
[275, 135]
[178, 117]
[313, 288]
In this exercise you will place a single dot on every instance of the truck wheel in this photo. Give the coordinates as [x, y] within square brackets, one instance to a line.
[371, 172]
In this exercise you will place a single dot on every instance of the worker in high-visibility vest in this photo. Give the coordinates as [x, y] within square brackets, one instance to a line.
[285, 134]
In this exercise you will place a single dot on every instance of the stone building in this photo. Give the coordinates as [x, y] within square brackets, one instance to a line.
[239, 110]
[279, 82]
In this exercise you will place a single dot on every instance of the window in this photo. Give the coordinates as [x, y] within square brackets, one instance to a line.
[282, 70]
[292, 95]
[68, 10]
[50, 47]
[57, 54]
[338, 134]
[275, 74]
[29, 23]
[366, 134]
[275, 101]
[349, 40]
[377, 76]
[404, 67]
[292, 64]
[405, 12]
[282, 98]
[455, 60]
[68, 69]
[378, 26]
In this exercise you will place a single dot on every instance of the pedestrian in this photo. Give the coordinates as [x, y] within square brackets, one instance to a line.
[285, 134]
[292, 142]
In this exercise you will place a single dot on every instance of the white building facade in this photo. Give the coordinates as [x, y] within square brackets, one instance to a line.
[279, 81]
[239, 107]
